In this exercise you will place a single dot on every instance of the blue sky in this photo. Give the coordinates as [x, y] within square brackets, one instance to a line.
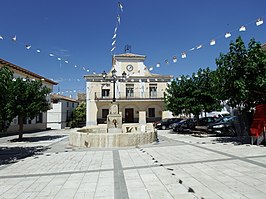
[81, 32]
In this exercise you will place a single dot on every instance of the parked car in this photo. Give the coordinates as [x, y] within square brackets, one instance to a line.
[224, 126]
[185, 125]
[204, 122]
[166, 123]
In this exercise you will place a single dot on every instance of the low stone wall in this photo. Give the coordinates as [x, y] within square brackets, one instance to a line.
[108, 140]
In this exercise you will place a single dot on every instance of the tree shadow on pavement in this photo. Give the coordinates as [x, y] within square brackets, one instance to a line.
[10, 155]
[235, 140]
[37, 138]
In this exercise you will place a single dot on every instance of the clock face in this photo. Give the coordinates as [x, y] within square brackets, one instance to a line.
[129, 67]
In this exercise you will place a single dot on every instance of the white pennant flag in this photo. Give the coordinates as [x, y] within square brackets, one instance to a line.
[114, 42]
[259, 22]
[59, 59]
[192, 49]
[38, 51]
[28, 46]
[75, 66]
[14, 38]
[200, 46]
[120, 6]
[51, 55]
[184, 55]
[227, 35]
[158, 65]
[66, 62]
[1, 37]
[114, 36]
[113, 49]
[118, 19]
[115, 30]
[212, 43]
[174, 59]
[242, 29]
[151, 68]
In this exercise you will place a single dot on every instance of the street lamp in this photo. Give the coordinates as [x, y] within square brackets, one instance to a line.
[114, 78]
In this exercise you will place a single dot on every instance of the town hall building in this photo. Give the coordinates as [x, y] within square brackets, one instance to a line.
[129, 83]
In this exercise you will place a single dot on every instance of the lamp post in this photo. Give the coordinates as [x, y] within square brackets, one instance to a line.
[114, 78]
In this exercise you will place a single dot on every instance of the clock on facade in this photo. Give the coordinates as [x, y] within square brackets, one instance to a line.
[129, 67]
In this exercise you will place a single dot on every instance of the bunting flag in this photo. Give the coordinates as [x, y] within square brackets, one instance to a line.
[113, 49]
[113, 42]
[212, 43]
[259, 22]
[200, 46]
[227, 35]
[120, 6]
[28, 46]
[118, 19]
[119, 11]
[242, 29]
[14, 38]
[114, 36]
[174, 59]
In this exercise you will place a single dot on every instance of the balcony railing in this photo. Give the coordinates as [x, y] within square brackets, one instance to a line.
[131, 96]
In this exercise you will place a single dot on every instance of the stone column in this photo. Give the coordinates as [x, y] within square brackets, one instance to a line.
[142, 120]
[91, 108]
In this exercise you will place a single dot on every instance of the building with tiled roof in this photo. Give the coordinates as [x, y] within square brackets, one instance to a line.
[40, 121]
[61, 112]
[136, 90]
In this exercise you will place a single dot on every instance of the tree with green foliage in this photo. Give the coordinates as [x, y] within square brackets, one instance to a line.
[242, 75]
[79, 115]
[20, 97]
[6, 114]
[29, 99]
[192, 95]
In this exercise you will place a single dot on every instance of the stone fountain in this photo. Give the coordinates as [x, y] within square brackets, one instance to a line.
[114, 133]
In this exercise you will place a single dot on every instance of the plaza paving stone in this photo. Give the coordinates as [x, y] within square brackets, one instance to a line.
[179, 166]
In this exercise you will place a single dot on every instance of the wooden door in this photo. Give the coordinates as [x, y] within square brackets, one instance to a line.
[129, 115]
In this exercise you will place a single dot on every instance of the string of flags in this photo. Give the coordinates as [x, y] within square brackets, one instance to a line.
[118, 21]
[38, 50]
[212, 42]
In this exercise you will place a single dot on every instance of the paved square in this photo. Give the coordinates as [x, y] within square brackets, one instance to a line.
[179, 166]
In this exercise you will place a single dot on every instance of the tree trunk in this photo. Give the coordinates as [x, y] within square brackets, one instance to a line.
[20, 135]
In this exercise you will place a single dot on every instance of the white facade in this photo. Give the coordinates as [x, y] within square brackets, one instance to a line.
[139, 91]
[61, 112]
[40, 121]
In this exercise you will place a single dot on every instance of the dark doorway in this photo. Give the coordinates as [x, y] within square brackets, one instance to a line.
[129, 115]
